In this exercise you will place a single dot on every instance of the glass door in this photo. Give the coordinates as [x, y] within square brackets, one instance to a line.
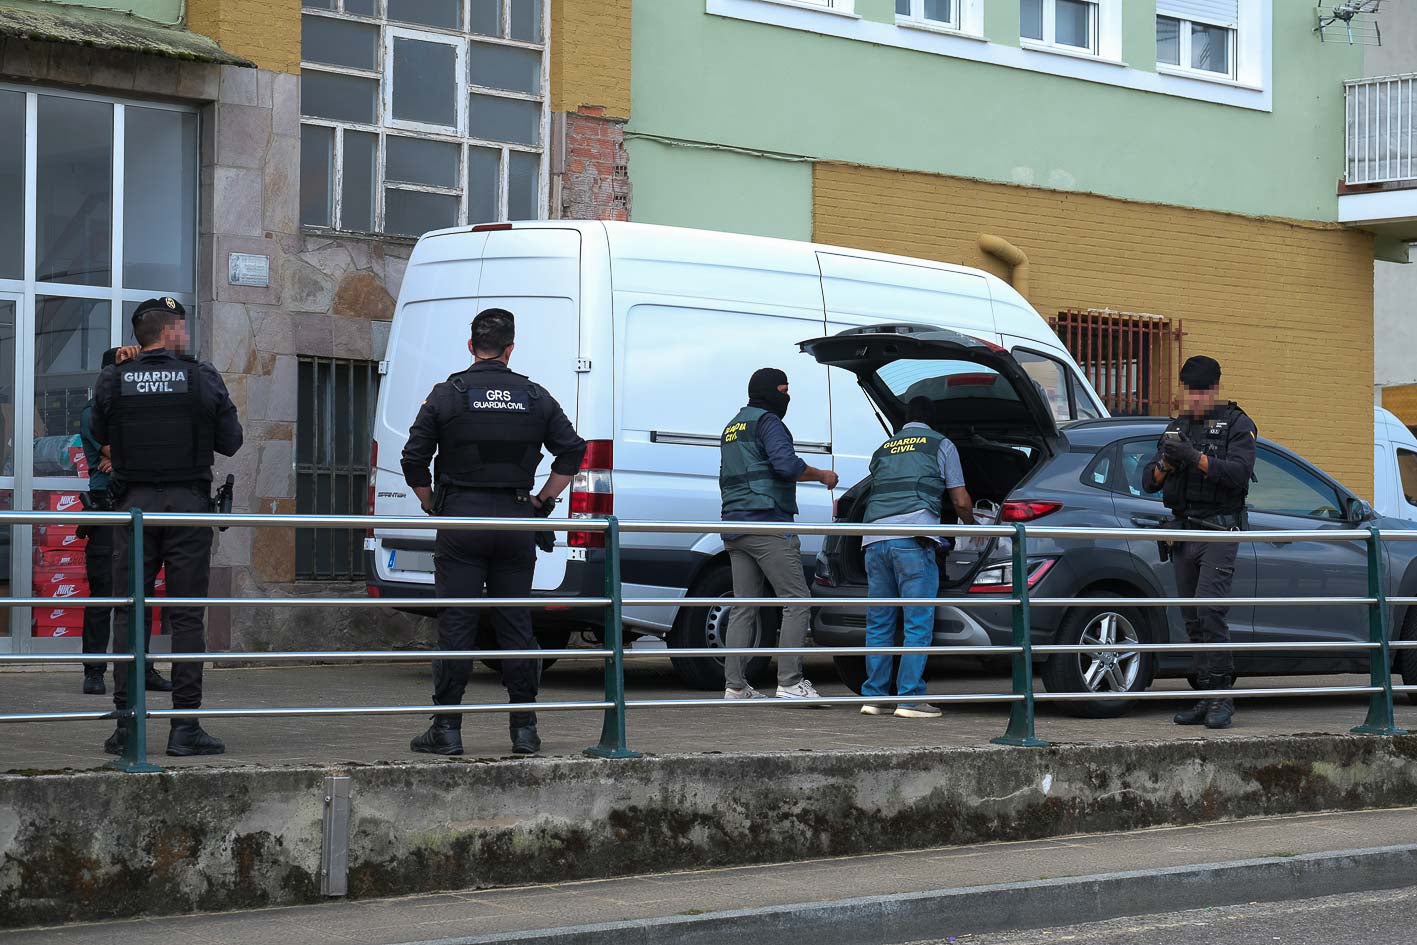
[11, 618]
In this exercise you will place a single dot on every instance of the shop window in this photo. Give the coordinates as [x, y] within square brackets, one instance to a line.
[333, 431]
[1131, 360]
[421, 114]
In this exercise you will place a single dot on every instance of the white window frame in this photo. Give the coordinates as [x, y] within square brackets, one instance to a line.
[385, 125]
[1185, 68]
[839, 7]
[1105, 29]
[968, 18]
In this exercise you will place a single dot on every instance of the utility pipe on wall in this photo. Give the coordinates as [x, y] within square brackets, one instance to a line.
[1011, 256]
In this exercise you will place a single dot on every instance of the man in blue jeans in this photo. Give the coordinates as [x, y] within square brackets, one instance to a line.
[910, 475]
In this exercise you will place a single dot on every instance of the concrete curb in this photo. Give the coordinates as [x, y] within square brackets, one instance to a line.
[913, 917]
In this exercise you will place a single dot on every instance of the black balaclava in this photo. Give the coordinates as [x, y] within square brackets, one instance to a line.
[763, 392]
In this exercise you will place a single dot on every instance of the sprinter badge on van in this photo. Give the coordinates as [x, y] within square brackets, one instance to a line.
[494, 399]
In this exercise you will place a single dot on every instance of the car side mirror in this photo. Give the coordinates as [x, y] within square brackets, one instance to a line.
[1359, 510]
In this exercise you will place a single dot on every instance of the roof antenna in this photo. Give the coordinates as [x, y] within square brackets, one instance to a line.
[1357, 19]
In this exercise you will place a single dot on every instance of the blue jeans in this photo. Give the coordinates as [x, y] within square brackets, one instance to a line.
[900, 567]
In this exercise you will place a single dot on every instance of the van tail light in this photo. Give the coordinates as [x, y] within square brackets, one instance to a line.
[373, 474]
[490, 227]
[1000, 580]
[1024, 510]
[593, 491]
[373, 590]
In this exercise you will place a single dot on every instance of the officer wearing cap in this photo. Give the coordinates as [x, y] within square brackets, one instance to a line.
[487, 426]
[164, 416]
[1203, 466]
[98, 547]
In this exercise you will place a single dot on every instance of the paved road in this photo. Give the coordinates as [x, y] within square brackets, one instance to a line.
[56, 745]
[1383, 918]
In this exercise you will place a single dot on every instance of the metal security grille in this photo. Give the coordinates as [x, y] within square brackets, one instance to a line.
[333, 431]
[1131, 360]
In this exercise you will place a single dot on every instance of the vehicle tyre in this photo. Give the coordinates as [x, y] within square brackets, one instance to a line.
[1098, 672]
[707, 627]
[851, 670]
[1406, 660]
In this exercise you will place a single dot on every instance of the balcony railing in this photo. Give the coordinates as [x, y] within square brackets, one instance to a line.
[1379, 132]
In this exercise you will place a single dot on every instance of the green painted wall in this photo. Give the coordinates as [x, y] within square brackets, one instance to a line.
[710, 79]
[720, 190]
[159, 11]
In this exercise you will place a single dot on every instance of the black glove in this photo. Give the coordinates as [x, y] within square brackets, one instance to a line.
[1180, 452]
[546, 541]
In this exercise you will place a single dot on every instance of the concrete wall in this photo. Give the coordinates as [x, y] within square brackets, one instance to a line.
[210, 839]
[710, 79]
[1239, 284]
[159, 11]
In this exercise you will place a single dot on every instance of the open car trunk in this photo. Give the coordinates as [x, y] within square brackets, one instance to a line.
[981, 399]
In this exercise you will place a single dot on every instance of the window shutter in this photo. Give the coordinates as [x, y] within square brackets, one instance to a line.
[1220, 12]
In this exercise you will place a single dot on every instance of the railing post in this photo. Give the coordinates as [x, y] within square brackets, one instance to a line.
[612, 731]
[1020, 731]
[135, 718]
[1380, 719]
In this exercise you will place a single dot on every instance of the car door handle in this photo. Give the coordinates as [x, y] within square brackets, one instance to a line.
[1150, 521]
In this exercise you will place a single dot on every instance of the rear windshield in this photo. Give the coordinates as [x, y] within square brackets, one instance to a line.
[945, 380]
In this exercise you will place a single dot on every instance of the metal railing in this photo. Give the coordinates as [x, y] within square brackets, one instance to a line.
[613, 743]
[1379, 138]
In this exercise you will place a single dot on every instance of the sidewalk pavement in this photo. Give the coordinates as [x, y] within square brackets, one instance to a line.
[330, 740]
[463, 915]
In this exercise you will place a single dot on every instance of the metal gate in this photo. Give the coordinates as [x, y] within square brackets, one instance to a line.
[1130, 359]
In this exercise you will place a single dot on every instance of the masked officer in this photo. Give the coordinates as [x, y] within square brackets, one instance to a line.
[98, 548]
[487, 426]
[758, 474]
[1203, 467]
[911, 474]
[163, 416]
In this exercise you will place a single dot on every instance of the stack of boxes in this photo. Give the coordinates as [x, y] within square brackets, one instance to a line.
[59, 568]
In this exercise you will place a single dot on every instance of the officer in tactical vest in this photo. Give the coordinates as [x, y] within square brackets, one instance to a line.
[758, 475]
[487, 426]
[163, 417]
[1203, 466]
[911, 474]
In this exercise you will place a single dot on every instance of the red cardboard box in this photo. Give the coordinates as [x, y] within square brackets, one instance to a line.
[59, 536]
[61, 582]
[58, 558]
[79, 460]
[61, 502]
[58, 622]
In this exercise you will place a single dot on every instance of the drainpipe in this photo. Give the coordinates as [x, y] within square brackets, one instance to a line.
[1013, 257]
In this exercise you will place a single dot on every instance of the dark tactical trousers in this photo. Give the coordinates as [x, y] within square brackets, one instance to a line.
[187, 554]
[1207, 569]
[490, 564]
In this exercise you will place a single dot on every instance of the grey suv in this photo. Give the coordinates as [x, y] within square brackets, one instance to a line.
[1088, 474]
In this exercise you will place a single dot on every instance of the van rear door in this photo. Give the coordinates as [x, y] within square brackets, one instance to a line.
[533, 273]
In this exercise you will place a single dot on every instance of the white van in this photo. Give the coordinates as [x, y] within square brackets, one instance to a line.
[647, 336]
[1394, 467]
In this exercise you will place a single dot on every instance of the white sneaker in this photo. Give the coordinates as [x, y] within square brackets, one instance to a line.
[920, 710]
[803, 690]
[872, 709]
[747, 692]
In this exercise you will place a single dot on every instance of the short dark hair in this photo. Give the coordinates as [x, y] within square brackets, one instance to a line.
[920, 410]
[492, 331]
[149, 325]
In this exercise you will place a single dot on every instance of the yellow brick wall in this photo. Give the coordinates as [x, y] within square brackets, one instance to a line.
[1285, 306]
[590, 55]
[1401, 399]
[265, 31]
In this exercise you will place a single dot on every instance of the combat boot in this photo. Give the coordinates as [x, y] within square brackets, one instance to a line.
[525, 741]
[444, 737]
[187, 739]
[1195, 715]
[93, 684]
[1221, 712]
[156, 682]
[116, 742]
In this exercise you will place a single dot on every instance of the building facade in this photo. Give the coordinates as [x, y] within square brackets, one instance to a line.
[269, 164]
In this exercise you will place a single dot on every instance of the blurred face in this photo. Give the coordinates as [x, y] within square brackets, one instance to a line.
[1197, 401]
[175, 337]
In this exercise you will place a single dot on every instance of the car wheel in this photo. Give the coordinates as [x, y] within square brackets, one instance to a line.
[851, 670]
[1120, 672]
[707, 627]
[1406, 660]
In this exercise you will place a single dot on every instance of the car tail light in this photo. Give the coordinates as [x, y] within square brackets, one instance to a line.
[373, 591]
[373, 475]
[1025, 510]
[593, 491]
[1000, 579]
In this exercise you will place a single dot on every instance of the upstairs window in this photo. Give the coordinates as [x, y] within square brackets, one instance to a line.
[1197, 36]
[421, 114]
[943, 13]
[1066, 24]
